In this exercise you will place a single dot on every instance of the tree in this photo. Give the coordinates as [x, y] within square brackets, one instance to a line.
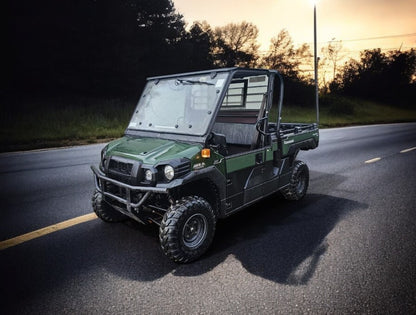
[402, 69]
[332, 55]
[236, 45]
[90, 47]
[135, 39]
[361, 78]
[200, 39]
[283, 56]
[387, 77]
[290, 61]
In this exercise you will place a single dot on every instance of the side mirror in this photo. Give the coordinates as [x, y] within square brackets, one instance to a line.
[218, 142]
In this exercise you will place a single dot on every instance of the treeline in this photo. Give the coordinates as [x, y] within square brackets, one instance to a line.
[107, 48]
[386, 77]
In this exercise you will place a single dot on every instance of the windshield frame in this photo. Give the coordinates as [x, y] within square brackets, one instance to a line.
[155, 113]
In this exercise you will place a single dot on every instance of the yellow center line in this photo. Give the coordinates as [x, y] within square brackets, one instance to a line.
[408, 150]
[46, 230]
[373, 160]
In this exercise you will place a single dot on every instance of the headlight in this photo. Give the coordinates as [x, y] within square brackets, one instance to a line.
[104, 152]
[102, 162]
[148, 175]
[169, 172]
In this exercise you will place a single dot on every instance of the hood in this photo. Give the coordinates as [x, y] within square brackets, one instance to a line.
[151, 150]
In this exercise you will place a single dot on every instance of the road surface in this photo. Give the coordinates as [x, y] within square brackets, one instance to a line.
[348, 246]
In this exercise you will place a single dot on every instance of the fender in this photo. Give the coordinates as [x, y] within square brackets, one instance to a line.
[212, 173]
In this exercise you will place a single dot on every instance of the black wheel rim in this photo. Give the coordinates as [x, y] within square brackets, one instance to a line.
[301, 183]
[194, 231]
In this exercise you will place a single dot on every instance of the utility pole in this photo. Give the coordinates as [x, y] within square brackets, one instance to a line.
[316, 63]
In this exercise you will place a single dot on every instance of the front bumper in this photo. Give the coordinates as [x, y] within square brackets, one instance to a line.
[101, 181]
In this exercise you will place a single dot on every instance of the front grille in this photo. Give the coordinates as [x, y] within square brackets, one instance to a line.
[123, 169]
[120, 167]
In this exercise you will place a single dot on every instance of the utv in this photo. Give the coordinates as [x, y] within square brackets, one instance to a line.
[199, 147]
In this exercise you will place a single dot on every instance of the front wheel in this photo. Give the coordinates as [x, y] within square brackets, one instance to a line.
[187, 229]
[299, 182]
[104, 211]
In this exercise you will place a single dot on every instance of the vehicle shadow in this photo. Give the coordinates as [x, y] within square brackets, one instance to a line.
[276, 242]
[275, 239]
[279, 240]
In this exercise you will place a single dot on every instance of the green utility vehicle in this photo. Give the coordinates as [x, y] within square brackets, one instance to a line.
[199, 147]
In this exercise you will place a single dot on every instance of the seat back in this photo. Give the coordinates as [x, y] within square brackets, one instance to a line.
[236, 133]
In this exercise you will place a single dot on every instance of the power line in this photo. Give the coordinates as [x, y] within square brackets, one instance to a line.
[383, 49]
[264, 52]
[362, 39]
[378, 37]
[366, 38]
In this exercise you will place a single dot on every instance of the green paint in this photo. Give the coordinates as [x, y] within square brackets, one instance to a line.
[235, 163]
[151, 150]
[296, 138]
[269, 152]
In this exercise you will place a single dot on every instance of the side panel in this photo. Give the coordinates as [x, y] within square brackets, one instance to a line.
[304, 140]
[271, 170]
[244, 173]
[254, 175]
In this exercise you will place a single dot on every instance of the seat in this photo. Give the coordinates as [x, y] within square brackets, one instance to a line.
[236, 133]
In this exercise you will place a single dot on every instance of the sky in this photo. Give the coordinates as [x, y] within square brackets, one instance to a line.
[359, 24]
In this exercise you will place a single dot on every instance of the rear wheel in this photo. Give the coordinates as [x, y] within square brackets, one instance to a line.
[299, 182]
[104, 211]
[187, 229]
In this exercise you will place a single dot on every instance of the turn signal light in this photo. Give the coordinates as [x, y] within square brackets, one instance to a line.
[206, 153]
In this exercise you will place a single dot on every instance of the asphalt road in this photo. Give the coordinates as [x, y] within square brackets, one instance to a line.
[348, 246]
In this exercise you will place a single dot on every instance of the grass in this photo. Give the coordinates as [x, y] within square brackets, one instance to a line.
[50, 123]
[341, 111]
[43, 123]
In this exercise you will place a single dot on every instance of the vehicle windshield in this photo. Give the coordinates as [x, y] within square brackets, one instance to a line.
[182, 105]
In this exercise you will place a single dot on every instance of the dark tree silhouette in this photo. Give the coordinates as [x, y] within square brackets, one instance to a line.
[284, 57]
[107, 48]
[236, 45]
[386, 77]
[90, 46]
[198, 44]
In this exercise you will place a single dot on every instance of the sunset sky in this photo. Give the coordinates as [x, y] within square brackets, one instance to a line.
[360, 24]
